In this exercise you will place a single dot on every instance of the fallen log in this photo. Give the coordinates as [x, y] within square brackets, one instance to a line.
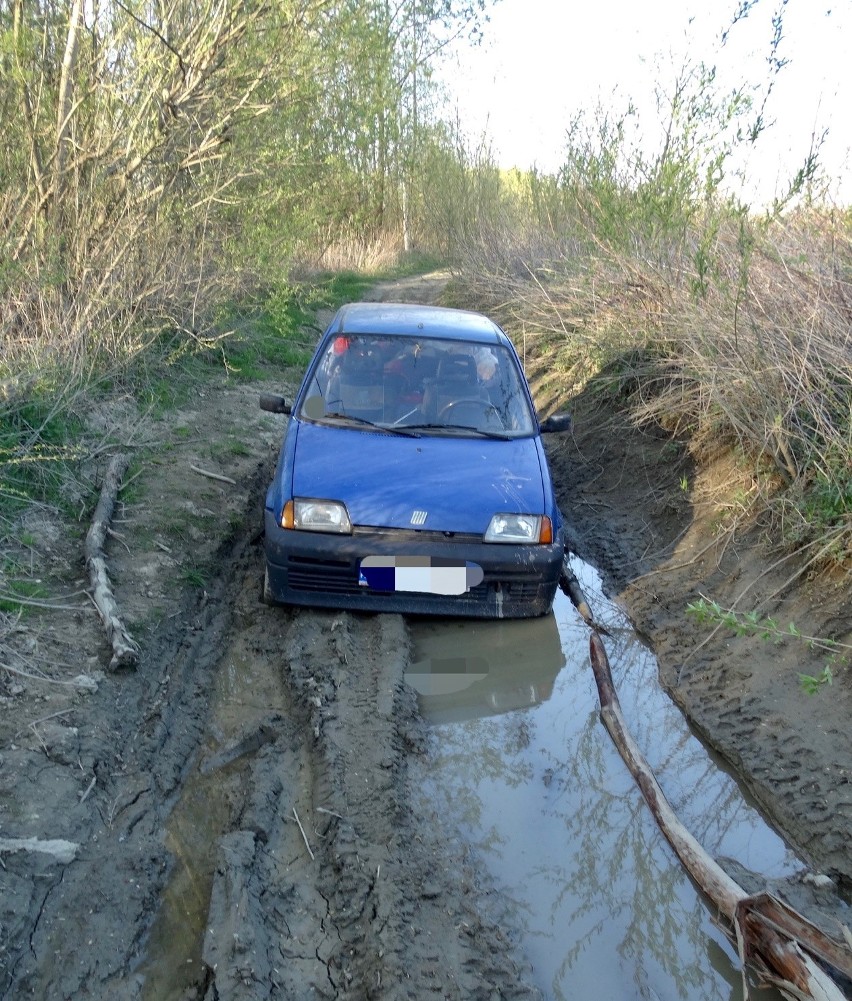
[125, 652]
[778, 941]
[570, 586]
[766, 910]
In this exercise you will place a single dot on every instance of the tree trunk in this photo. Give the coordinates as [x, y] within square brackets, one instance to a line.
[66, 90]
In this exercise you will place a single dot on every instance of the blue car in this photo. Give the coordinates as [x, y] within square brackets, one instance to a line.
[412, 476]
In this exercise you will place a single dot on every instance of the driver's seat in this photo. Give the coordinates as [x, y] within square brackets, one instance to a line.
[455, 380]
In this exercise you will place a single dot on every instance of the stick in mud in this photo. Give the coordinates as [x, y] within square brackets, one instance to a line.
[213, 476]
[776, 949]
[777, 940]
[570, 586]
[304, 836]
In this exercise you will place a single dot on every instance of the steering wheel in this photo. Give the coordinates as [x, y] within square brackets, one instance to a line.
[479, 409]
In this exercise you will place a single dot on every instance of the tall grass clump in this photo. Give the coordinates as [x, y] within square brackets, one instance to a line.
[642, 273]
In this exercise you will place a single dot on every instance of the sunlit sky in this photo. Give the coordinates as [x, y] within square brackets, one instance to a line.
[542, 61]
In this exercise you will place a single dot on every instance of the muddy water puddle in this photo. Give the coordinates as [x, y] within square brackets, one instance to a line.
[244, 691]
[523, 768]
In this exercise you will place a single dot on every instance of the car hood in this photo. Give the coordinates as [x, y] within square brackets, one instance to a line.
[384, 478]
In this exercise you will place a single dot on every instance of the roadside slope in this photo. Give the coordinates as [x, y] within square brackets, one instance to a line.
[664, 530]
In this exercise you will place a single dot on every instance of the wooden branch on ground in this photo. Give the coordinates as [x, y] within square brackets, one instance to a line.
[213, 476]
[82, 681]
[775, 938]
[304, 836]
[125, 652]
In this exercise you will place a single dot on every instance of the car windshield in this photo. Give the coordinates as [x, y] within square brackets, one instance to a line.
[431, 385]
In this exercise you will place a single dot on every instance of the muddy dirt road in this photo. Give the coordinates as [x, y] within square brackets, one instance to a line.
[233, 819]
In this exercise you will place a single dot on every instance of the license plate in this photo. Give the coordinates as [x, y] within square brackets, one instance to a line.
[420, 574]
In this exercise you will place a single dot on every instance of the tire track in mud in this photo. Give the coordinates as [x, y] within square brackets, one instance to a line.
[384, 908]
[88, 922]
[198, 776]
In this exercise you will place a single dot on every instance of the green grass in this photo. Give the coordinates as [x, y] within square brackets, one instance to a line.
[194, 577]
[165, 379]
[38, 438]
[415, 263]
[18, 587]
[281, 333]
[134, 487]
[708, 612]
[829, 501]
[234, 446]
[227, 448]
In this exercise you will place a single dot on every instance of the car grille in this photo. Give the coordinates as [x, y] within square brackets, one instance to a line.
[331, 576]
[416, 535]
[340, 577]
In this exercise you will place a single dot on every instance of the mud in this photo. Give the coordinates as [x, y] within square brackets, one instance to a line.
[241, 804]
[663, 528]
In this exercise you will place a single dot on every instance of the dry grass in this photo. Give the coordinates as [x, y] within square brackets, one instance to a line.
[754, 353]
[349, 253]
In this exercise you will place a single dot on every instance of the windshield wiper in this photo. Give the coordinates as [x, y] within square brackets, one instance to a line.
[500, 435]
[372, 424]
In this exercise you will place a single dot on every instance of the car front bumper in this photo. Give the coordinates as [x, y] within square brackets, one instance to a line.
[319, 569]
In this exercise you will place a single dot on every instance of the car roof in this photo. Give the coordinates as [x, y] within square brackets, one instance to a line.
[414, 320]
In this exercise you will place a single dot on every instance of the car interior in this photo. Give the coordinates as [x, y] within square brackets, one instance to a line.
[370, 379]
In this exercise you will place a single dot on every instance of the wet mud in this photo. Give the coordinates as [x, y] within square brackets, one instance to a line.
[240, 808]
[664, 530]
[251, 834]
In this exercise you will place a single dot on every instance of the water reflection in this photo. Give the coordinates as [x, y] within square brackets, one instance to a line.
[603, 906]
[466, 670]
[245, 691]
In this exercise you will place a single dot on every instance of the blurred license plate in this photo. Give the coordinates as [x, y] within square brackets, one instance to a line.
[422, 574]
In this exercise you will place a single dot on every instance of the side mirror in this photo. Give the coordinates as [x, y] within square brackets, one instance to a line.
[556, 422]
[274, 403]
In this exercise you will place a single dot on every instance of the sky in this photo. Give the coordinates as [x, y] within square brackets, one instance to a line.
[543, 61]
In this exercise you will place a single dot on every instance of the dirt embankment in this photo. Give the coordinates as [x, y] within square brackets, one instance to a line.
[238, 807]
[665, 532]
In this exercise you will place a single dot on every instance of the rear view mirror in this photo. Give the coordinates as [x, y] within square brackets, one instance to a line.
[556, 422]
[274, 403]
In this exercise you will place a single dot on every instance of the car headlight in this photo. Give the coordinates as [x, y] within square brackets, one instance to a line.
[519, 528]
[309, 514]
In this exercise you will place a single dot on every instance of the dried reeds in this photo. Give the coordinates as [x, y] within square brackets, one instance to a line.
[752, 350]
